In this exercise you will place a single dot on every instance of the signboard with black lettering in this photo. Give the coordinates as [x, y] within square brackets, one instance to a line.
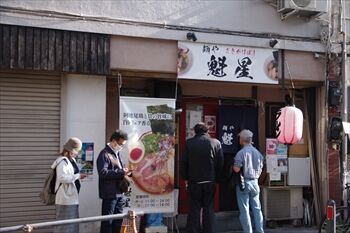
[227, 63]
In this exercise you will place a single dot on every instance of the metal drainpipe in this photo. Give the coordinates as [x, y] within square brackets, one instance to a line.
[345, 97]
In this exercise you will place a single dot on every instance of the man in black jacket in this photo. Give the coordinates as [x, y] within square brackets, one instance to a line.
[201, 167]
[111, 171]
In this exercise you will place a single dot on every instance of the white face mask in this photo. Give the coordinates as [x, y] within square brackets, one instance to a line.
[118, 147]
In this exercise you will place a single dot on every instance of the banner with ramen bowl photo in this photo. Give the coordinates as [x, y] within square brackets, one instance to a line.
[149, 152]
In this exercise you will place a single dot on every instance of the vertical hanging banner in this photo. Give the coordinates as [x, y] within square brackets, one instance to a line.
[150, 152]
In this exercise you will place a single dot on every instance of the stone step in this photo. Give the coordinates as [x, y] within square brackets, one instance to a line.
[227, 221]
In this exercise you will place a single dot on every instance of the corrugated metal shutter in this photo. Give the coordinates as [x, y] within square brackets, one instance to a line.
[29, 142]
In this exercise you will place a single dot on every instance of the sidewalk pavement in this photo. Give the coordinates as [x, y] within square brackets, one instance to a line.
[292, 230]
[228, 222]
[289, 229]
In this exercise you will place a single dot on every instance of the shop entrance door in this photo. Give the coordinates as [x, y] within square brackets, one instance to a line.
[218, 118]
[232, 119]
[195, 110]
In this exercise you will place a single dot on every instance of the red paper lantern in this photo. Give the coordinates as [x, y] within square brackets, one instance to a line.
[289, 125]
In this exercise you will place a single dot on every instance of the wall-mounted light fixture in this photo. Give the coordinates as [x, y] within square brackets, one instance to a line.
[191, 36]
[335, 129]
[334, 96]
[178, 111]
[273, 43]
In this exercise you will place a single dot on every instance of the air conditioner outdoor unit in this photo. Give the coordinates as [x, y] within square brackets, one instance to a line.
[302, 7]
[283, 203]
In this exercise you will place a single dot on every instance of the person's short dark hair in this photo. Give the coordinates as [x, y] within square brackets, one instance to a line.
[200, 128]
[119, 134]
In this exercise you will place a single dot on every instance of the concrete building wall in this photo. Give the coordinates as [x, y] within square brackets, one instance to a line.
[224, 22]
[128, 53]
[84, 116]
[304, 66]
[143, 54]
[347, 84]
[239, 15]
[347, 19]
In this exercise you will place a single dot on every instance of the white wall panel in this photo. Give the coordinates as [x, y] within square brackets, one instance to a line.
[231, 17]
[84, 116]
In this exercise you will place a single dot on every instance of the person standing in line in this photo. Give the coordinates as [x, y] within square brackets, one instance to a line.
[249, 162]
[200, 167]
[67, 186]
[111, 171]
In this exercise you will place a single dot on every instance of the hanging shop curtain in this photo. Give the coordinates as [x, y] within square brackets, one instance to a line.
[233, 119]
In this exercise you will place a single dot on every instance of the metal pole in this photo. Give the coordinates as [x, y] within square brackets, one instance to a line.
[331, 217]
[345, 98]
[64, 222]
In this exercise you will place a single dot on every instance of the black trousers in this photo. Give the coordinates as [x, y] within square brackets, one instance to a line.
[201, 196]
[112, 206]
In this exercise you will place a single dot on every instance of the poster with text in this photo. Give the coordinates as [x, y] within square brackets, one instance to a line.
[273, 147]
[150, 152]
[210, 122]
[85, 159]
[192, 118]
[282, 163]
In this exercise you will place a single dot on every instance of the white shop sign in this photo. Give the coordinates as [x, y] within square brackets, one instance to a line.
[227, 63]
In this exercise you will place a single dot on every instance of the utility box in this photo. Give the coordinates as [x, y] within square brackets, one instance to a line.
[305, 8]
[311, 6]
[299, 171]
[283, 203]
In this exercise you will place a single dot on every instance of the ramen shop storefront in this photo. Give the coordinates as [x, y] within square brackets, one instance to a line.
[224, 86]
[228, 87]
[227, 107]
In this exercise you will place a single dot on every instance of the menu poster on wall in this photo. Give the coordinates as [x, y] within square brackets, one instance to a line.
[282, 163]
[149, 152]
[273, 147]
[271, 163]
[193, 117]
[85, 159]
[275, 176]
[210, 122]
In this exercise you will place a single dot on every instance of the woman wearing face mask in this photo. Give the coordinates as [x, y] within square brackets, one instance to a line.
[111, 171]
[68, 185]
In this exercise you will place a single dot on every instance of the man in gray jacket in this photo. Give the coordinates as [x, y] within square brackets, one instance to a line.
[249, 162]
[201, 166]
